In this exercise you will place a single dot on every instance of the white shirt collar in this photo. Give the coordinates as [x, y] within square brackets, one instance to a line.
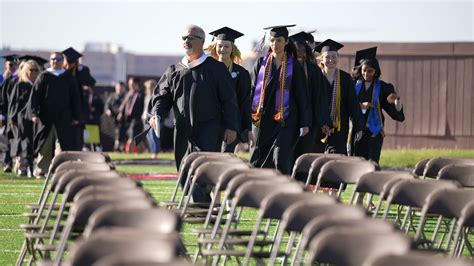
[195, 62]
[55, 72]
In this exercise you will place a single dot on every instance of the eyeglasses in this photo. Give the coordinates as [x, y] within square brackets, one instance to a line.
[191, 37]
[57, 58]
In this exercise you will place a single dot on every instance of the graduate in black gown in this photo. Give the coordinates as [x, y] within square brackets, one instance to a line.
[19, 119]
[131, 111]
[343, 104]
[204, 103]
[9, 79]
[225, 50]
[112, 109]
[373, 95]
[280, 106]
[318, 97]
[83, 77]
[55, 111]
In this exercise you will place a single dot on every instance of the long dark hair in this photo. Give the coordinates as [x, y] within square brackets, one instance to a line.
[373, 63]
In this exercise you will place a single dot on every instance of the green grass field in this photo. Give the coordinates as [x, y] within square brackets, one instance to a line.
[16, 192]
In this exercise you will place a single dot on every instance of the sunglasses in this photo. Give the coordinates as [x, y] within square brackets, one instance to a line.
[57, 58]
[191, 37]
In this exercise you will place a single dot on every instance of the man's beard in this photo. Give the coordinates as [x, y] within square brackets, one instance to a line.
[188, 50]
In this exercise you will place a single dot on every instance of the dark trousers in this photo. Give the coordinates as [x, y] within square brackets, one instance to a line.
[369, 146]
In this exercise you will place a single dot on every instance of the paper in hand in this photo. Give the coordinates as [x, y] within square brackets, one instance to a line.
[301, 131]
[157, 129]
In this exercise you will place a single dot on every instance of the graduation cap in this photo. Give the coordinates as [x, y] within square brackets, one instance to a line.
[368, 53]
[226, 34]
[11, 57]
[41, 61]
[328, 45]
[71, 54]
[279, 31]
[310, 36]
[300, 37]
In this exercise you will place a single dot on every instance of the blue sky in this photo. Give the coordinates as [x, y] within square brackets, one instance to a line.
[155, 27]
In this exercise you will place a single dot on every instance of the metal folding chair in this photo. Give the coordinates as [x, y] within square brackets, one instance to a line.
[420, 167]
[272, 208]
[377, 183]
[411, 194]
[433, 166]
[303, 164]
[446, 207]
[296, 217]
[463, 174]
[351, 247]
[343, 172]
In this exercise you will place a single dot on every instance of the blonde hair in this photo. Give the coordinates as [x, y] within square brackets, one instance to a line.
[235, 55]
[23, 74]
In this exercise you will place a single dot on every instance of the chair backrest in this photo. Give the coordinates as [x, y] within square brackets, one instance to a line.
[131, 242]
[351, 247]
[190, 158]
[95, 157]
[463, 174]
[80, 183]
[252, 193]
[379, 181]
[227, 176]
[303, 164]
[70, 175]
[83, 209]
[153, 220]
[133, 259]
[275, 204]
[317, 164]
[434, 165]
[297, 216]
[319, 224]
[420, 167]
[448, 202]
[345, 171]
[240, 179]
[78, 166]
[416, 258]
[209, 172]
[112, 189]
[467, 215]
[414, 192]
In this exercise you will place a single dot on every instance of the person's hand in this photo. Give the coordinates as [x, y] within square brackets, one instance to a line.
[152, 122]
[229, 136]
[35, 120]
[392, 97]
[74, 122]
[1, 123]
[366, 105]
[12, 125]
[358, 135]
[251, 139]
[108, 113]
[119, 117]
[304, 131]
[325, 129]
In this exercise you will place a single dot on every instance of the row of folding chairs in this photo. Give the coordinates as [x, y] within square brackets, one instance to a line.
[247, 187]
[85, 198]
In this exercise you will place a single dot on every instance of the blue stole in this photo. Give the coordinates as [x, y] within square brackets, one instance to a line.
[374, 121]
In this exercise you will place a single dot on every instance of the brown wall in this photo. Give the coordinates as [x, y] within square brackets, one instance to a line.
[435, 81]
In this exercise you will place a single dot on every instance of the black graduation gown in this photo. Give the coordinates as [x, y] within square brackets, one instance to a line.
[7, 88]
[240, 78]
[350, 109]
[82, 76]
[319, 108]
[370, 146]
[55, 100]
[275, 143]
[113, 103]
[204, 105]
[133, 121]
[93, 107]
[22, 142]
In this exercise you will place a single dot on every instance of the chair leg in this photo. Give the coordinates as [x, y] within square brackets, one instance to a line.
[253, 238]
[289, 247]
[276, 245]
[188, 199]
[452, 230]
